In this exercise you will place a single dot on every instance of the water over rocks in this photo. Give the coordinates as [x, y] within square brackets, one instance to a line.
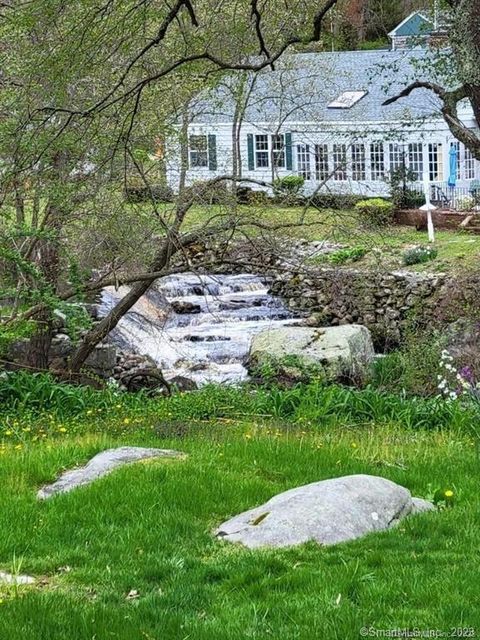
[198, 327]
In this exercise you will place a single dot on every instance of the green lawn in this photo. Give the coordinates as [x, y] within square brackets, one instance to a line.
[457, 250]
[147, 528]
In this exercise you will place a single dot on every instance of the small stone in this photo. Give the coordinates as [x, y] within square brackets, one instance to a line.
[9, 578]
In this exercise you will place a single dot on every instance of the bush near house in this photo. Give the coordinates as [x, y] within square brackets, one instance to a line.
[375, 212]
[403, 197]
[288, 190]
[336, 201]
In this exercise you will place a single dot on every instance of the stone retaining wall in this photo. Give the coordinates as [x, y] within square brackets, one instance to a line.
[385, 302]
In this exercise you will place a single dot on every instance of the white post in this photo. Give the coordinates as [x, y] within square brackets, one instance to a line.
[428, 207]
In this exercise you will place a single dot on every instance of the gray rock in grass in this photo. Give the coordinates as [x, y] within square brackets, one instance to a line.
[11, 579]
[326, 512]
[420, 505]
[100, 465]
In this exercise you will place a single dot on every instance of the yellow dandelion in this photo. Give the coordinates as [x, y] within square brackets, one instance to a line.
[62, 430]
[354, 445]
[448, 493]
[126, 421]
[8, 432]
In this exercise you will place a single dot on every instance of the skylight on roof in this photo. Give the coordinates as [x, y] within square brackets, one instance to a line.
[347, 99]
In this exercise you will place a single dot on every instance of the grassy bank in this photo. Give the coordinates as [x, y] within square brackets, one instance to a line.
[457, 250]
[132, 557]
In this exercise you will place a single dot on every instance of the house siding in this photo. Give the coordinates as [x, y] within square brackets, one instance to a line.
[433, 133]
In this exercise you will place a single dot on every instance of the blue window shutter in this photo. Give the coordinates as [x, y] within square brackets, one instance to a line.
[251, 156]
[288, 151]
[212, 152]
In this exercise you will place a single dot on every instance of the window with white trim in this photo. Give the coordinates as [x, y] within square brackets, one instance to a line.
[435, 161]
[469, 164]
[303, 161]
[465, 162]
[359, 171]
[377, 161]
[321, 162]
[396, 156]
[415, 159]
[261, 151]
[198, 151]
[278, 151]
[340, 161]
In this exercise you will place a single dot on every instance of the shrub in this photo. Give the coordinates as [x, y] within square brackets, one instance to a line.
[204, 193]
[288, 187]
[403, 197]
[258, 198]
[349, 254]
[375, 212]
[141, 193]
[414, 367]
[244, 195]
[334, 200]
[465, 203]
[419, 255]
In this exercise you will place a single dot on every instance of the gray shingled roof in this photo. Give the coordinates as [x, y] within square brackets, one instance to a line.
[301, 87]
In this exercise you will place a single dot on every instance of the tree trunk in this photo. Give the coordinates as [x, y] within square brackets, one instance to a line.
[47, 256]
[19, 204]
[48, 259]
[103, 328]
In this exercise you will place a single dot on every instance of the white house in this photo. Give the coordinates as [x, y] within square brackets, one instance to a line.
[320, 116]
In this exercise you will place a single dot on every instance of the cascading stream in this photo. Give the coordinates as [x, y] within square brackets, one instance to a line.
[198, 326]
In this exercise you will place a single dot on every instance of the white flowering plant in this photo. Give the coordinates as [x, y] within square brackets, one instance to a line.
[454, 383]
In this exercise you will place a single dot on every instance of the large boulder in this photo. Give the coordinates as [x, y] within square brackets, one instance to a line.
[343, 352]
[327, 512]
[100, 465]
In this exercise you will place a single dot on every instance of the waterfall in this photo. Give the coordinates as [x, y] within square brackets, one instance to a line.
[198, 326]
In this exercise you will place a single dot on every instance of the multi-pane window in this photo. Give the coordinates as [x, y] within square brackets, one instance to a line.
[198, 147]
[340, 161]
[278, 151]
[358, 162]
[321, 162]
[469, 164]
[415, 159]
[435, 161]
[303, 161]
[377, 161]
[396, 156]
[465, 162]
[261, 151]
